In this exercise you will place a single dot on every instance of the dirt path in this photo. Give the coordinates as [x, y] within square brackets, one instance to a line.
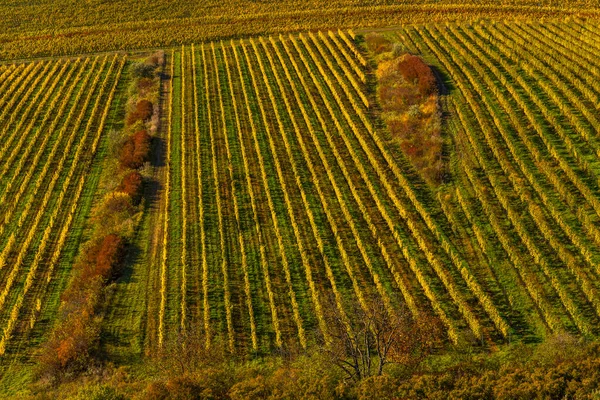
[130, 329]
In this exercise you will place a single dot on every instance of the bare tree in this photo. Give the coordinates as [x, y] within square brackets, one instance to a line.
[187, 353]
[363, 343]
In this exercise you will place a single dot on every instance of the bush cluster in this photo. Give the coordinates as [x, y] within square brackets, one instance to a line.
[132, 186]
[407, 94]
[557, 370]
[74, 343]
[414, 70]
[135, 151]
[75, 340]
[143, 111]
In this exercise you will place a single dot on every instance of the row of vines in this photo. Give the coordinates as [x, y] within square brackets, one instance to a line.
[284, 204]
[525, 172]
[53, 115]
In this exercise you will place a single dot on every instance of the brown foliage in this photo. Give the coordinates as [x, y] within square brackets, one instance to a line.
[135, 151]
[157, 58]
[177, 388]
[110, 255]
[142, 112]
[377, 43]
[114, 214]
[144, 86]
[132, 185]
[126, 157]
[101, 261]
[71, 345]
[407, 95]
[141, 140]
[415, 71]
[115, 205]
[76, 336]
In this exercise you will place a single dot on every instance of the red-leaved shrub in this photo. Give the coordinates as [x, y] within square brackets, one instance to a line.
[104, 259]
[141, 140]
[135, 151]
[76, 337]
[132, 185]
[414, 70]
[143, 112]
[126, 156]
[110, 256]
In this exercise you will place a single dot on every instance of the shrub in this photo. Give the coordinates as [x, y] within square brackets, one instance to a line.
[180, 388]
[73, 341]
[157, 391]
[377, 387]
[141, 141]
[414, 70]
[407, 93]
[145, 86]
[157, 59]
[132, 185]
[110, 256]
[142, 112]
[116, 203]
[143, 70]
[115, 210]
[377, 43]
[76, 336]
[253, 388]
[135, 151]
[102, 261]
[126, 156]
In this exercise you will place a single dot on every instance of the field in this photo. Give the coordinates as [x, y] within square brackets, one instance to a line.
[284, 197]
[276, 199]
[53, 116]
[44, 28]
[525, 180]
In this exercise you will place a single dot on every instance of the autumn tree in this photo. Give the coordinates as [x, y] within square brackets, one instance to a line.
[414, 70]
[378, 337]
[132, 185]
[135, 150]
[142, 112]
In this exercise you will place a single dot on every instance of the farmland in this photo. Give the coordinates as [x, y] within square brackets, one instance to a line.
[247, 191]
[53, 117]
[526, 151]
[45, 28]
[283, 197]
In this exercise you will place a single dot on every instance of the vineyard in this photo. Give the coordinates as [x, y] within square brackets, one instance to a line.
[285, 199]
[525, 169]
[52, 118]
[261, 198]
[43, 28]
